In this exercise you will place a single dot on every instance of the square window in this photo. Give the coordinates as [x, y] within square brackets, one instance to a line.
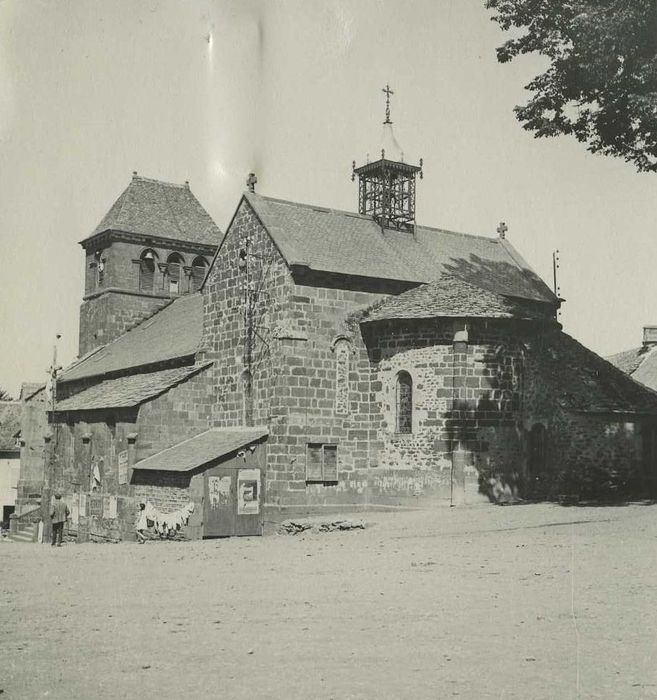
[321, 463]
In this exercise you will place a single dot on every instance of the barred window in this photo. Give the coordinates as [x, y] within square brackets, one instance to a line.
[404, 401]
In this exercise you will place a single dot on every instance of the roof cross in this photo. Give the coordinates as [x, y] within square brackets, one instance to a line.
[502, 229]
[388, 92]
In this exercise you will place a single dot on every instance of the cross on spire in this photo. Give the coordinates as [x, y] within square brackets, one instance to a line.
[388, 92]
[502, 229]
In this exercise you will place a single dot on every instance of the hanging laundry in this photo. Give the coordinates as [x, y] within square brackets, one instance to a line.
[167, 523]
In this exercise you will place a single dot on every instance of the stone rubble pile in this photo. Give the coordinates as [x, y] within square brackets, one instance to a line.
[294, 527]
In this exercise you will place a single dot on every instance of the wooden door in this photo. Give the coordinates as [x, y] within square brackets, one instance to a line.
[219, 508]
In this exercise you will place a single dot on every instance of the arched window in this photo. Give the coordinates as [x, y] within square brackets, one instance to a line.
[342, 352]
[404, 401]
[147, 270]
[174, 272]
[199, 268]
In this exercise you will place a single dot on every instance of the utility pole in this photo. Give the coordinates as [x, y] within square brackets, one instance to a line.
[51, 453]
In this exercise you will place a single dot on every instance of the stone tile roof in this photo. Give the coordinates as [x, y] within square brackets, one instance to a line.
[341, 242]
[584, 381]
[155, 208]
[10, 425]
[126, 392]
[630, 360]
[201, 449]
[173, 332]
[450, 296]
[29, 389]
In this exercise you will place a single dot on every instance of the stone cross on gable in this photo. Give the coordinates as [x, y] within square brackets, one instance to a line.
[502, 229]
[388, 92]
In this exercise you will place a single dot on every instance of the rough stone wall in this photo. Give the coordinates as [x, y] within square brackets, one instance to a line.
[34, 425]
[104, 318]
[466, 397]
[182, 412]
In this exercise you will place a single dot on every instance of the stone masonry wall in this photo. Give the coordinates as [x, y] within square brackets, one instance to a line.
[104, 318]
[34, 425]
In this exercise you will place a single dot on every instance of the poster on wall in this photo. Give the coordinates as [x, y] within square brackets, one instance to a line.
[219, 491]
[75, 511]
[123, 467]
[248, 492]
[109, 507]
[83, 505]
[95, 506]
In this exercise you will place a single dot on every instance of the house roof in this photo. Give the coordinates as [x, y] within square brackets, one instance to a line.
[630, 360]
[352, 244]
[126, 392]
[584, 381]
[154, 208]
[450, 296]
[173, 332]
[10, 425]
[201, 449]
[29, 389]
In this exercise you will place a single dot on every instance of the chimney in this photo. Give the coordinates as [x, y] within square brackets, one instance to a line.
[649, 336]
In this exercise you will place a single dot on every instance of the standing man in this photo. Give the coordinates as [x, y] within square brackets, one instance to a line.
[58, 514]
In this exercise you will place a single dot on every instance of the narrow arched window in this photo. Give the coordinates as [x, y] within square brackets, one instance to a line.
[174, 272]
[147, 270]
[404, 401]
[199, 268]
[342, 352]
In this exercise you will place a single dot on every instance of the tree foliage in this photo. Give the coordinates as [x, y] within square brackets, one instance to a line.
[601, 83]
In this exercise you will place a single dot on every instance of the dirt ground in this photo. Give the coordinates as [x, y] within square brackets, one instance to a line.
[532, 601]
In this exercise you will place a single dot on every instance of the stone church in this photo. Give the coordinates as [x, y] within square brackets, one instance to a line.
[311, 359]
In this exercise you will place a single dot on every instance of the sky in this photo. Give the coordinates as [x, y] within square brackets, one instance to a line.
[209, 90]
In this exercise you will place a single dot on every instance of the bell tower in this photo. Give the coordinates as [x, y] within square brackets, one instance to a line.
[386, 187]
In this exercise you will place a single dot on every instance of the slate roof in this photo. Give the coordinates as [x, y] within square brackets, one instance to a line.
[341, 242]
[10, 425]
[450, 296]
[630, 360]
[29, 389]
[154, 208]
[173, 332]
[126, 392]
[584, 381]
[201, 449]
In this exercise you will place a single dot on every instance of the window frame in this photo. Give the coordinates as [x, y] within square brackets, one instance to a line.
[405, 428]
[323, 478]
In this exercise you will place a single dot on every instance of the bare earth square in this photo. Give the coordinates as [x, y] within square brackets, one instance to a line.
[533, 601]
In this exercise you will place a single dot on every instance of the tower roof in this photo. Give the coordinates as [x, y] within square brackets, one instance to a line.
[162, 209]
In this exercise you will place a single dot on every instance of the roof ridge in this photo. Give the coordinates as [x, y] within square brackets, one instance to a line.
[332, 210]
[184, 186]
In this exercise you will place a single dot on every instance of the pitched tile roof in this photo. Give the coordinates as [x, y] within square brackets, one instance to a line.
[352, 244]
[453, 297]
[630, 360]
[584, 381]
[29, 389]
[126, 392]
[155, 208]
[171, 333]
[10, 425]
[201, 449]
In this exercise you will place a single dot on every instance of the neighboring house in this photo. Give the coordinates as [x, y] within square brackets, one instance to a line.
[35, 436]
[334, 360]
[10, 453]
[640, 363]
